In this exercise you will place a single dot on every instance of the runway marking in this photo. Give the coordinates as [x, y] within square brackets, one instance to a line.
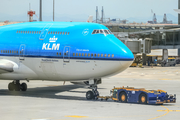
[161, 115]
[76, 116]
[167, 111]
[164, 79]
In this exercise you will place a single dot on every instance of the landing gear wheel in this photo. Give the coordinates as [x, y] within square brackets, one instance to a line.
[142, 98]
[11, 86]
[23, 86]
[123, 97]
[89, 95]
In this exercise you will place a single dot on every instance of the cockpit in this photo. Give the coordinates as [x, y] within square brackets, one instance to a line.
[102, 31]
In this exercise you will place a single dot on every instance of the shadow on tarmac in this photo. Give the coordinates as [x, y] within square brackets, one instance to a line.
[47, 92]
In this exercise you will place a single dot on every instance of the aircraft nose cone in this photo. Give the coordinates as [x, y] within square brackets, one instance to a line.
[126, 54]
[127, 58]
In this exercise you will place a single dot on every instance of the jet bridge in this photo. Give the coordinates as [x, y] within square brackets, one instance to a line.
[136, 45]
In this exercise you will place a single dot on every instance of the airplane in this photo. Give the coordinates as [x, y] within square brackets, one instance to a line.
[60, 51]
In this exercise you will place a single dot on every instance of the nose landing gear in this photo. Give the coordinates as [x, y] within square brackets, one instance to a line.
[15, 85]
[92, 95]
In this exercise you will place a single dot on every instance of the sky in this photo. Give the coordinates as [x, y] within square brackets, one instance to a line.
[79, 10]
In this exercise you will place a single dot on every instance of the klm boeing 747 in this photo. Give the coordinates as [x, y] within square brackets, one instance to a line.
[60, 51]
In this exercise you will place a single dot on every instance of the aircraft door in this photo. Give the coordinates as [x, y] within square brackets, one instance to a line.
[44, 32]
[22, 51]
[66, 54]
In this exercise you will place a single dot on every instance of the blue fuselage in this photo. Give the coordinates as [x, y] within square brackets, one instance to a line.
[54, 39]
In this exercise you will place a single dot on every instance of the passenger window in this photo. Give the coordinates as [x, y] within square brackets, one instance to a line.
[105, 55]
[94, 55]
[88, 54]
[10, 51]
[23, 32]
[48, 32]
[6, 51]
[108, 55]
[73, 54]
[98, 55]
[1, 51]
[17, 52]
[65, 33]
[82, 54]
[85, 54]
[60, 53]
[32, 32]
[76, 54]
[17, 32]
[55, 32]
[79, 54]
[101, 55]
[51, 32]
[64, 53]
[68, 33]
[91, 55]
[57, 53]
[112, 55]
[60, 33]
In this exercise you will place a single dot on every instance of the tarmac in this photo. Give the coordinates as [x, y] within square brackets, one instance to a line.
[49, 100]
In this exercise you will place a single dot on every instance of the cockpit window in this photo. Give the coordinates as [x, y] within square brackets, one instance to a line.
[101, 31]
[110, 32]
[106, 31]
[94, 32]
[97, 31]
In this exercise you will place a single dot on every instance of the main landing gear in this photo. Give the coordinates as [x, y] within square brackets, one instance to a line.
[92, 95]
[15, 85]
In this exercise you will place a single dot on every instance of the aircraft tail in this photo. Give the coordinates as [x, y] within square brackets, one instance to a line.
[90, 19]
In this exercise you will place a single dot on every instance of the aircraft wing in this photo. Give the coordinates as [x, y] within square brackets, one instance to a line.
[7, 66]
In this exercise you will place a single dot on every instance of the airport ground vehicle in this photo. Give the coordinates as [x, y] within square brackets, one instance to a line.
[169, 62]
[139, 95]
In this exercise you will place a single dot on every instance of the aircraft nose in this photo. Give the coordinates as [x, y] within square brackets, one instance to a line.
[126, 57]
[126, 54]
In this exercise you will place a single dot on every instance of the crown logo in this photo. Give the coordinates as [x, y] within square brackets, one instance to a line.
[53, 39]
